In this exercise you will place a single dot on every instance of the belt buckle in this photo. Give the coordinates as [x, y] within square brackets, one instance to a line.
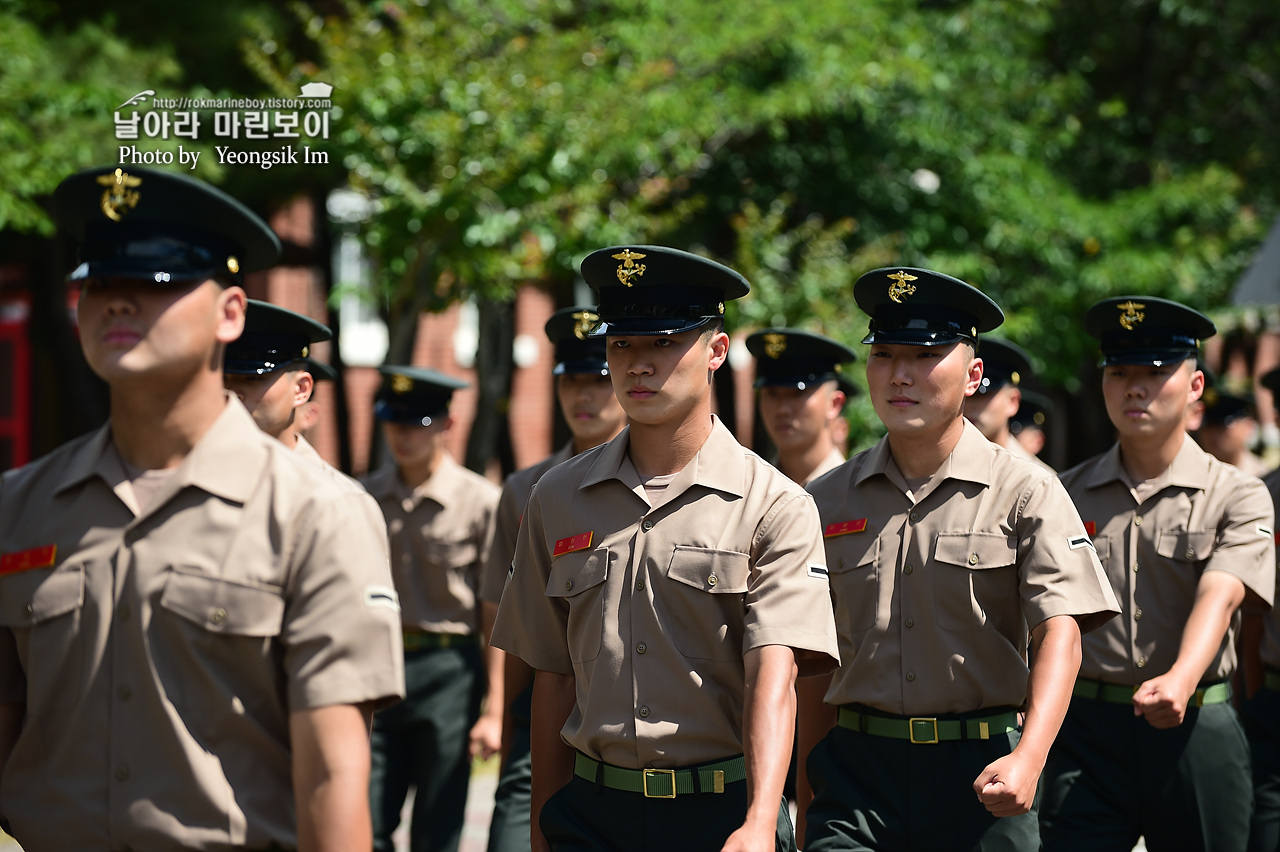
[931, 721]
[670, 774]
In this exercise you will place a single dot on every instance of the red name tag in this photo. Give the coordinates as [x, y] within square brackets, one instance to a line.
[27, 560]
[1090, 527]
[845, 527]
[581, 541]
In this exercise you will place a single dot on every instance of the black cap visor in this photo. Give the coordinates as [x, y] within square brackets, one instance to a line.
[633, 326]
[581, 367]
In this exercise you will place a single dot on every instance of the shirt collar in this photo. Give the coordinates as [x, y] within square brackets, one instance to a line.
[1189, 468]
[719, 463]
[970, 460]
[440, 487]
[233, 435]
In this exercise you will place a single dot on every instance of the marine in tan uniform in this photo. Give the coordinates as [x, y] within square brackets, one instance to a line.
[438, 515]
[800, 398]
[949, 558]
[667, 586]
[194, 623]
[594, 416]
[269, 370]
[1151, 745]
[993, 406]
[1028, 426]
[1229, 425]
[1260, 661]
[308, 414]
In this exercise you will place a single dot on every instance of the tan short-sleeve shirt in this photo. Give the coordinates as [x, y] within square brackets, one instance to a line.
[1200, 515]
[652, 608]
[935, 590]
[506, 522]
[439, 539]
[159, 655]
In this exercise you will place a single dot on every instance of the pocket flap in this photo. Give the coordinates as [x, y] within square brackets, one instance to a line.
[721, 572]
[852, 551]
[31, 597]
[1184, 545]
[975, 550]
[574, 573]
[223, 606]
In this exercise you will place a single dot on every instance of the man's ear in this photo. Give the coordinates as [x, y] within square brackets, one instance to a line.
[232, 304]
[974, 379]
[719, 344]
[303, 384]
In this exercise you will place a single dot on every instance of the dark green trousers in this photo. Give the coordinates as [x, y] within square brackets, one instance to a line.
[877, 793]
[509, 826]
[1262, 725]
[1112, 777]
[587, 817]
[422, 742]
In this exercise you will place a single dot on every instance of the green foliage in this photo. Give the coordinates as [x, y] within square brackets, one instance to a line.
[57, 94]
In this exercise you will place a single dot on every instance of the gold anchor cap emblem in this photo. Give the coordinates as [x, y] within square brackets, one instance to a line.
[775, 344]
[233, 265]
[583, 322]
[119, 197]
[900, 287]
[401, 384]
[1132, 314]
[629, 269]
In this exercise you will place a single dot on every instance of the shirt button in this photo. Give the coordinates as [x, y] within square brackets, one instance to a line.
[644, 712]
[711, 581]
[911, 622]
[641, 648]
[218, 616]
[28, 610]
[1142, 661]
[124, 692]
[1137, 521]
[639, 585]
[1137, 614]
[911, 675]
[907, 570]
[914, 516]
[1191, 554]
[122, 772]
[973, 559]
[568, 585]
[123, 612]
[1135, 567]
[646, 525]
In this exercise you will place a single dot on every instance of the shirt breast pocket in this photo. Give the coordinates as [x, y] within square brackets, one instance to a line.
[1185, 546]
[222, 628]
[578, 580]
[707, 613]
[976, 580]
[853, 570]
[43, 608]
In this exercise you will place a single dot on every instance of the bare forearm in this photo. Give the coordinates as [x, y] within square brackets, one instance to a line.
[814, 719]
[1217, 597]
[768, 728]
[331, 779]
[1055, 662]
[553, 700]
[495, 661]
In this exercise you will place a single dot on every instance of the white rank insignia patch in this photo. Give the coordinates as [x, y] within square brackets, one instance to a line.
[819, 571]
[1078, 541]
[382, 596]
